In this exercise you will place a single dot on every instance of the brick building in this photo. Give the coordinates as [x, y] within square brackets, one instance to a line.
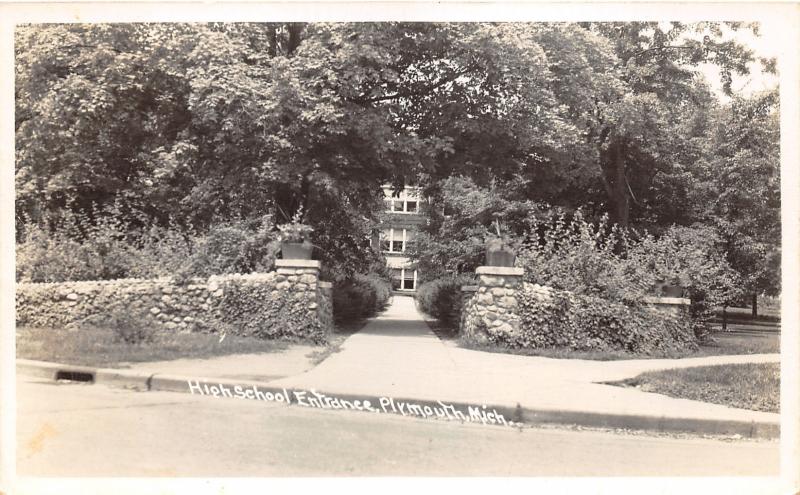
[397, 231]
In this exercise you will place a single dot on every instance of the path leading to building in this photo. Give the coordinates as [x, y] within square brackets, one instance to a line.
[396, 355]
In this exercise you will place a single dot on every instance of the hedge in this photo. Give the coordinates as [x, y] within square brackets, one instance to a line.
[442, 297]
[553, 318]
[361, 296]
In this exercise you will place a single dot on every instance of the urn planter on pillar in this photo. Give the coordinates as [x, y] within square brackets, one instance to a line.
[499, 253]
[500, 247]
[669, 288]
[296, 250]
[296, 238]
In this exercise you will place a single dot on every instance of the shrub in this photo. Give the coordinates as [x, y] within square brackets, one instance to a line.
[73, 249]
[360, 296]
[692, 257]
[602, 261]
[442, 298]
[242, 246]
[553, 318]
[128, 327]
[77, 248]
[160, 252]
[582, 258]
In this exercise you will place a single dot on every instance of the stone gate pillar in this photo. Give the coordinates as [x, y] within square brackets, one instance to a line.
[492, 311]
[301, 278]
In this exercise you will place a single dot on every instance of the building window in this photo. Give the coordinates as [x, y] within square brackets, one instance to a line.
[409, 279]
[396, 240]
[403, 206]
[404, 279]
[407, 202]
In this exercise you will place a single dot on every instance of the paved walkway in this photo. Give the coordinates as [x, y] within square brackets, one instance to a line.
[396, 355]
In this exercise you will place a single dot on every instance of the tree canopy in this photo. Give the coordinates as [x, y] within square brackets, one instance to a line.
[194, 124]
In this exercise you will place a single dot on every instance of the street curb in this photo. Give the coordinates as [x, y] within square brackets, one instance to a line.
[106, 376]
[516, 414]
[123, 378]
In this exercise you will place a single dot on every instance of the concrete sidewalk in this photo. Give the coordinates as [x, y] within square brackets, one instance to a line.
[396, 355]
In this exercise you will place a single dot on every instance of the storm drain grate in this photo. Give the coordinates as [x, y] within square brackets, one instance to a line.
[75, 376]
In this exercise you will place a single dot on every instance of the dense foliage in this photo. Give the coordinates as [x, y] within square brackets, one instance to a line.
[581, 257]
[205, 130]
[602, 261]
[694, 259]
[658, 149]
[442, 298]
[361, 296]
[261, 310]
[584, 322]
[461, 217]
[77, 248]
[741, 189]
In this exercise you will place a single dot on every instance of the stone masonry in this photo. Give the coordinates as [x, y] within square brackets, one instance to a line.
[492, 310]
[290, 297]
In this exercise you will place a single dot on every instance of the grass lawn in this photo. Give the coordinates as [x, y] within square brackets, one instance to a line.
[721, 344]
[93, 346]
[754, 386]
[732, 343]
[98, 346]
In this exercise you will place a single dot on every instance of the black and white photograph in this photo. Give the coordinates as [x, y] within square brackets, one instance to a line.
[289, 247]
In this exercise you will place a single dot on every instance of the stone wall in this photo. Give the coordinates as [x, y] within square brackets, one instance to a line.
[502, 310]
[325, 304]
[287, 303]
[492, 309]
[675, 306]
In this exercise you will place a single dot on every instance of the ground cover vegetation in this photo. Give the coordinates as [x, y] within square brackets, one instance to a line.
[360, 297]
[600, 277]
[147, 149]
[753, 386]
[118, 342]
[719, 344]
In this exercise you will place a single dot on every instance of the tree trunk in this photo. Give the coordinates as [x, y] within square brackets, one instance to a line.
[305, 192]
[615, 184]
[724, 319]
[273, 41]
[295, 32]
[621, 199]
[755, 305]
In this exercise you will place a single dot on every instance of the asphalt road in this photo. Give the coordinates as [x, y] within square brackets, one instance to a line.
[91, 430]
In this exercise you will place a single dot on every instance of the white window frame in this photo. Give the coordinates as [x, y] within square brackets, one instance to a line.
[405, 206]
[406, 195]
[391, 240]
[403, 278]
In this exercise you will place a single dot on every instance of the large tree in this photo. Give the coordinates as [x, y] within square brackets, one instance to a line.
[207, 122]
[741, 188]
[204, 122]
[637, 132]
